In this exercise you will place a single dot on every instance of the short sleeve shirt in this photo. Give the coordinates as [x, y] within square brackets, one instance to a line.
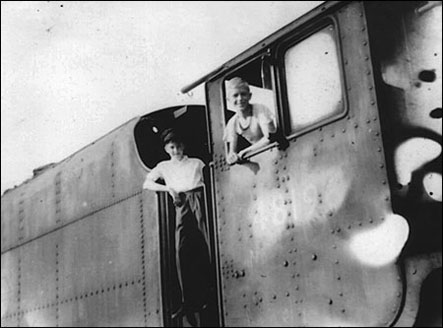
[181, 176]
[261, 116]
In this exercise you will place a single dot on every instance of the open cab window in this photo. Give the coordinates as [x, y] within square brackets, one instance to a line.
[259, 77]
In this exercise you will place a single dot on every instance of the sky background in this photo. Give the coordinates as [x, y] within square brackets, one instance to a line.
[73, 71]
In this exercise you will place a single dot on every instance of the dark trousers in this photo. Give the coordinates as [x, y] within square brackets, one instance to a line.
[192, 249]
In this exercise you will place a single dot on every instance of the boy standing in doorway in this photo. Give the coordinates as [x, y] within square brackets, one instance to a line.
[183, 177]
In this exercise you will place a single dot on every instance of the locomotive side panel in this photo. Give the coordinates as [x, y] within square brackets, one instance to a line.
[85, 181]
[127, 170]
[406, 40]
[307, 235]
[111, 259]
[28, 211]
[10, 288]
[102, 173]
[100, 270]
[39, 282]
[40, 208]
[82, 246]
[9, 221]
[408, 59]
[99, 250]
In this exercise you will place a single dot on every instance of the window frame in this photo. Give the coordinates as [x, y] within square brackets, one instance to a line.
[269, 51]
[283, 101]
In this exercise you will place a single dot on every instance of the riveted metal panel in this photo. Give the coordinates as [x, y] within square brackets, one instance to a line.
[408, 58]
[10, 288]
[406, 42]
[99, 271]
[116, 248]
[38, 273]
[86, 182]
[9, 220]
[44, 317]
[88, 177]
[120, 307]
[81, 184]
[9, 321]
[101, 249]
[29, 210]
[108, 241]
[287, 219]
[105, 239]
[129, 172]
[280, 261]
[40, 208]
[150, 256]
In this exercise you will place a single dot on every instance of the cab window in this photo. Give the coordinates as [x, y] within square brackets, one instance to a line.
[312, 80]
[250, 84]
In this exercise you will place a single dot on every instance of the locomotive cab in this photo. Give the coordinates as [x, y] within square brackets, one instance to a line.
[335, 222]
[190, 121]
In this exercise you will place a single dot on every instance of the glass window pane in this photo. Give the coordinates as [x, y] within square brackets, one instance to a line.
[313, 79]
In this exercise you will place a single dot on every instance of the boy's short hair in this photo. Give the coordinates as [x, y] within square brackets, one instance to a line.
[237, 83]
[171, 135]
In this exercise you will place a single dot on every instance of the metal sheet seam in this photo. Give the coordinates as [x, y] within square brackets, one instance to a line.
[66, 300]
[74, 221]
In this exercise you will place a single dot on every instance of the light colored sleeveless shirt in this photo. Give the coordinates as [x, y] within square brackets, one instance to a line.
[261, 116]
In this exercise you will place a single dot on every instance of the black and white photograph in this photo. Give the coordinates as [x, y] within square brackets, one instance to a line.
[221, 164]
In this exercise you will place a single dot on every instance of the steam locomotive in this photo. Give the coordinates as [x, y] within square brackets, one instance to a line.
[336, 222]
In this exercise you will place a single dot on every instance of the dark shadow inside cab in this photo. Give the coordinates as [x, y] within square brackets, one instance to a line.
[190, 121]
